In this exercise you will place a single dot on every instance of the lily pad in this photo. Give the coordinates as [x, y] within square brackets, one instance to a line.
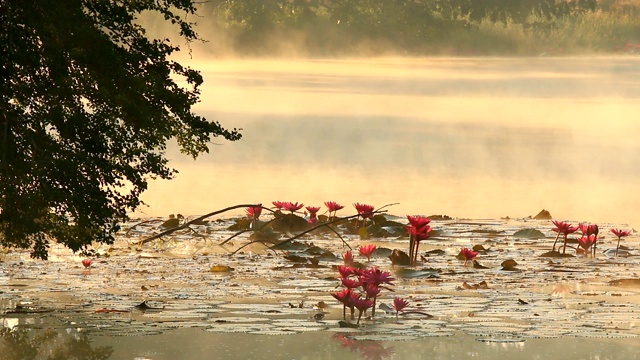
[529, 233]
[411, 273]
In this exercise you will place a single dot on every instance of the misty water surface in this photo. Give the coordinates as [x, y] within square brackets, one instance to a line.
[467, 137]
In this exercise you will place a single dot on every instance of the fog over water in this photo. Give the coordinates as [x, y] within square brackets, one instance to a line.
[466, 137]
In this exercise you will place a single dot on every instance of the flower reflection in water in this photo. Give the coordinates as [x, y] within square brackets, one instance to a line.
[368, 349]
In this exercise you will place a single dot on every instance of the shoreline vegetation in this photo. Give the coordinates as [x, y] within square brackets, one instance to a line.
[418, 28]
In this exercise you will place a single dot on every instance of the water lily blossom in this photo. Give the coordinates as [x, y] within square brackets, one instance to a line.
[620, 234]
[313, 210]
[254, 211]
[364, 211]
[350, 283]
[565, 229]
[333, 208]
[418, 230]
[468, 255]
[399, 304]
[292, 206]
[344, 297]
[372, 291]
[348, 258]
[361, 304]
[367, 251]
[376, 276]
[588, 230]
[86, 263]
[346, 271]
[586, 242]
[417, 221]
[278, 204]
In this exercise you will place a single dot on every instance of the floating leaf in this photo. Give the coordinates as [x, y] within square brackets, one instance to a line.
[481, 285]
[555, 254]
[625, 282]
[478, 248]
[399, 257]
[529, 233]
[346, 324]
[509, 265]
[410, 273]
[477, 265]
[221, 268]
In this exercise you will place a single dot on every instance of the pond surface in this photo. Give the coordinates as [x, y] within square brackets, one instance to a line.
[467, 137]
[472, 138]
[186, 296]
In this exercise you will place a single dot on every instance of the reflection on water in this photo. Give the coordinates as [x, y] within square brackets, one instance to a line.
[475, 137]
[368, 349]
[63, 344]
[22, 344]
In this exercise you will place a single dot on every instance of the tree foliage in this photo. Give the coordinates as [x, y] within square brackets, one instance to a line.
[408, 24]
[87, 105]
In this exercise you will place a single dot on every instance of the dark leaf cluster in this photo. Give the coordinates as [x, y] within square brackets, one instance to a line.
[87, 105]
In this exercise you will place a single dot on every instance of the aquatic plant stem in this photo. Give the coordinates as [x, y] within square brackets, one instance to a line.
[411, 241]
[554, 243]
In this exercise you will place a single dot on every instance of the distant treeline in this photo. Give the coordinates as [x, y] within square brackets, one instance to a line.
[420, 27]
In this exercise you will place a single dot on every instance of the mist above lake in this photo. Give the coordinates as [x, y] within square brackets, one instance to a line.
[466, 137]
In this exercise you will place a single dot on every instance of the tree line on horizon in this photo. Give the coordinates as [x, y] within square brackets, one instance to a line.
[335, 27]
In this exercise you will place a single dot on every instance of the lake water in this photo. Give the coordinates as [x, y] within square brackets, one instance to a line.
[466, 137]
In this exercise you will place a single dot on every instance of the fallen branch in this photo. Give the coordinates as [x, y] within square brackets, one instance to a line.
[169, 231]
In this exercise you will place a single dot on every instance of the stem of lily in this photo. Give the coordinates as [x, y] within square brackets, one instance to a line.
[554, 243]
[617, 246]
[344, 311]
[411, 240]
[359, 316]
[564, 247]
[373, 308]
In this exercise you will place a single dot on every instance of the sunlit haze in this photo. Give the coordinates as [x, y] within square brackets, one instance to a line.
[466, 137]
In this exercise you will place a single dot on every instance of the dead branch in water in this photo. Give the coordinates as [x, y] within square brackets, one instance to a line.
[169, 231]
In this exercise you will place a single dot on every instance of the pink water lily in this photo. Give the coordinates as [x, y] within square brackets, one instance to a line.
[418, 230]
[620, 234]
[376, 276]
[586, 242]
[365, 211]
[367, 251]
[468, 255]
[565, 229]
[372, 291]
[348, 258]
[350, 283]
[254, 211]
[399, 304]
[292, 206]
[346, 271]
[361, 304]
[333, 208]
[344, 297]
[588, 230]
[278, 204]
